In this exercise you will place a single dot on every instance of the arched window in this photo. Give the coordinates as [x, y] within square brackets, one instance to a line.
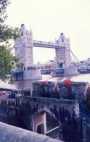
[40, 129]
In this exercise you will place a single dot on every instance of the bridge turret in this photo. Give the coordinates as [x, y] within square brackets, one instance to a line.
[63, 57]
[24, 47]
[26, 72]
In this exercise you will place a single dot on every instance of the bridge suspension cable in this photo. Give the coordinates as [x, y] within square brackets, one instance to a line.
[74, 56]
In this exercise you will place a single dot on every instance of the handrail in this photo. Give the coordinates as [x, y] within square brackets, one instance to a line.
[50, 131]
[54, 100]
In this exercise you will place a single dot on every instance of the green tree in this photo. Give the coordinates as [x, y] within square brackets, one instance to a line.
[6, 33]
[6, 59]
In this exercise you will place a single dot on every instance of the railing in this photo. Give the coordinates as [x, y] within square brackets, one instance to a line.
[55, 132]
[51, 100]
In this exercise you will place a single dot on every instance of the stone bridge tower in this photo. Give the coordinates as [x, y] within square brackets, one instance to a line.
[63, 57]
[25, 72]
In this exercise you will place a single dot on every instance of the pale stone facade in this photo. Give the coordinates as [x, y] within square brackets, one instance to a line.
[24, 47]
[24, 54]
[63, 51]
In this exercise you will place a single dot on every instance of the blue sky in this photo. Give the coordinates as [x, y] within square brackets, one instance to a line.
[48, 18]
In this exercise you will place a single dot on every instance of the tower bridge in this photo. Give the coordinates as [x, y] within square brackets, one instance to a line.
[26, 42]
[26, 72]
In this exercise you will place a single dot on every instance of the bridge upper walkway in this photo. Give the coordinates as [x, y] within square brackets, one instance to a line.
[46, 44]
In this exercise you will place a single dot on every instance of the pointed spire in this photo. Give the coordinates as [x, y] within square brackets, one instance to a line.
[23, 30]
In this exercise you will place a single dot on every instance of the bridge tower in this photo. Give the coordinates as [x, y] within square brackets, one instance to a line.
[63, 57]
[25, 72]
[24, 47]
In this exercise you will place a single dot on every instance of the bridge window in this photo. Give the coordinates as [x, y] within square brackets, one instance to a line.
[60, 65]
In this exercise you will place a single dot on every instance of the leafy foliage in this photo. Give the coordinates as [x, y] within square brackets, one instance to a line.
[6, 59]
[6, 33]
[3, 6]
